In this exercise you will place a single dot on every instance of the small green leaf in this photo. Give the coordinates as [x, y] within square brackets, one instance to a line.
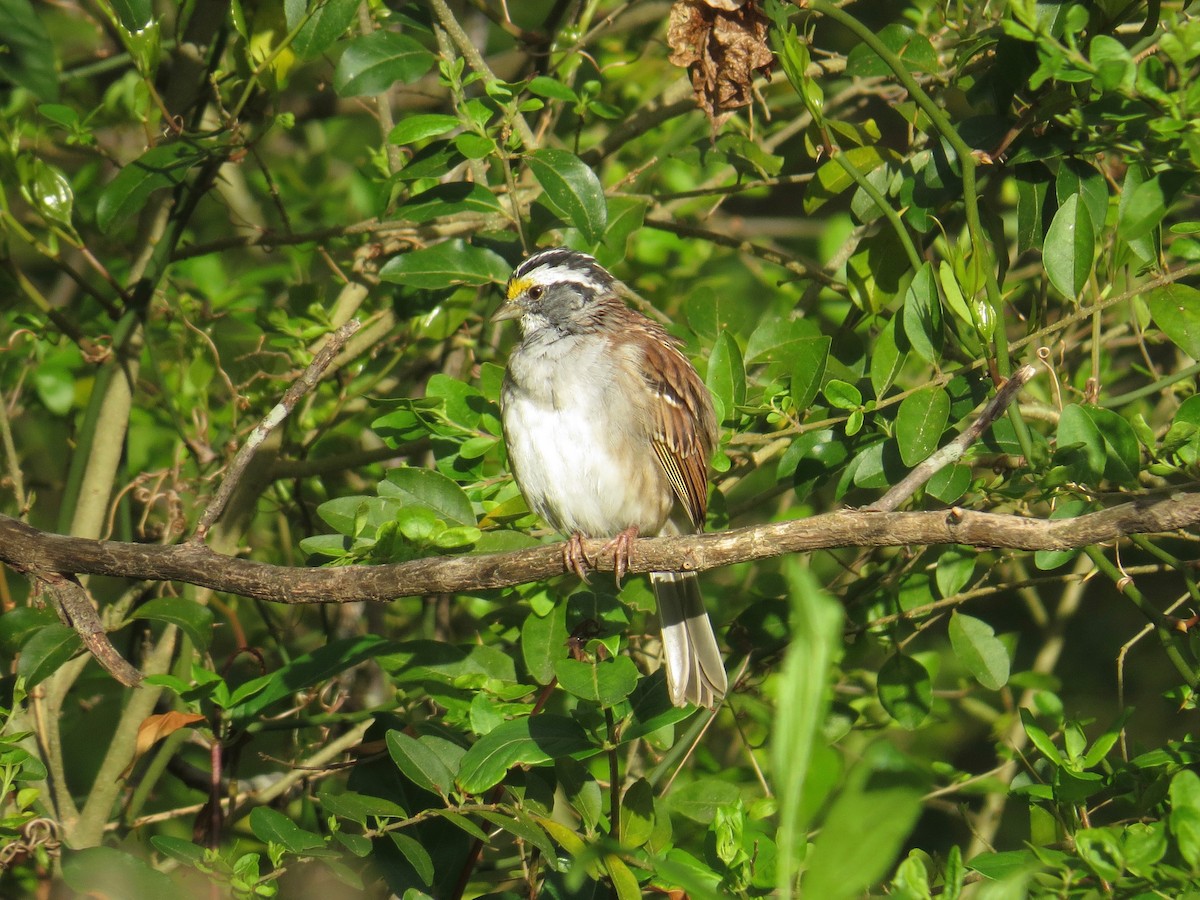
[164, 166]
[920, 421]
[429, 489]
[1176, 310]
[415, 128]
[420, 764]
[905, 690]
[1038, 737]
[28, 59]
[1070, 247]
[979, 650]
[328, 22]
[727, 374]
[1184, 819]
[195, 620]
[374, 62]
[922, 314]
[810, 357]
[699, 800]
[552, 89]
[1081, 445]
[605, 682]
[48, 649]
[531, 741]
[573, 188]
[543, 642]
[270, 825]
[445, 265]
[842, 395]
[1101, 850]
[418, 857]
[776, 338]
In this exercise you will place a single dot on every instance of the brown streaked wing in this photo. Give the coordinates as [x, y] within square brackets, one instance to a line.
[685, 429]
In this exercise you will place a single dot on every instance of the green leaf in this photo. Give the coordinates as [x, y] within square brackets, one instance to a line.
[328, 22]
[800, 708]
[726, 376]
[979, 650]
[1052, 559]
[954, 571]
[195, 620]
[270, 825]
[905, 690]
[810, 358]
[430, 489]
[1184, 818]
[1176, 310]
[552, 89]
[374, 62]
[108, 872]
[573, 188]
[48, 649]
[358, 807]
[531, 741]
[1070, 247]
[637, 813]
[920, 421]
[310, 669]
[1080, 445]
[699, 800]
[1123, 458]
[832, 179]
[164, 166]
[17, 625]
[776, 338]
[420, 764]
[949, 483]
[28, 59]
[418, 857]
[842, 395]
[415, 128]
[445, 265]
[922, 314]
[1038, 737]
[1101, 850]
[605, 682]
[865, 828]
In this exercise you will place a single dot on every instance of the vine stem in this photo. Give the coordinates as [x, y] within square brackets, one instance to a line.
[967, 164]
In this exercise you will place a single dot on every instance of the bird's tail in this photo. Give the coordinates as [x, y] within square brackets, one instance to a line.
[695, 671]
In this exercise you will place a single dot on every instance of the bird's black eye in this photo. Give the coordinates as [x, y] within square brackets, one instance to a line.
[535, 292]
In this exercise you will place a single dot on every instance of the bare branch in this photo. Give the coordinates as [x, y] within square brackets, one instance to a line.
[75, 609]
[32, 551]
[301, 386]
[954, 451]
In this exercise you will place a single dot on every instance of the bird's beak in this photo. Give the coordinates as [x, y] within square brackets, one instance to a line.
[510, 309]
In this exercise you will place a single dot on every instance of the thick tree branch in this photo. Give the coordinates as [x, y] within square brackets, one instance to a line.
[31, 551]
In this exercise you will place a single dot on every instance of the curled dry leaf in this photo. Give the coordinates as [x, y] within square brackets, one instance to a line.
[154, 728]
[723, 43]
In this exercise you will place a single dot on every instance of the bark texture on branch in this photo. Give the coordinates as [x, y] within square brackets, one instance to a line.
[31, 551]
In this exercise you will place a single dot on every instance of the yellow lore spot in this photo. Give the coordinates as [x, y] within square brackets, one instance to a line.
[517, 286]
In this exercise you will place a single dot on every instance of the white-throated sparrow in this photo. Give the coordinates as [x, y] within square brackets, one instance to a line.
[609, 432]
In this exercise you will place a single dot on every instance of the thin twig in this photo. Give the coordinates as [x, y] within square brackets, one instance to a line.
[75, 609]
[300, 387]
[954, 451]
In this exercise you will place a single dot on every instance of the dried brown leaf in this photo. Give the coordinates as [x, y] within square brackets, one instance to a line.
[154, 728]
[722, 44]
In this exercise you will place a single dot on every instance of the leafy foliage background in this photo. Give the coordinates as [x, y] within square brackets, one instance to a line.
[922, 197]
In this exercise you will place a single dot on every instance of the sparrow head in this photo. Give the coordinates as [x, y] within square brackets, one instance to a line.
[555, 288]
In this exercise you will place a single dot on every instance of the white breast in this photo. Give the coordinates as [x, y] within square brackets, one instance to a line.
[577, 446]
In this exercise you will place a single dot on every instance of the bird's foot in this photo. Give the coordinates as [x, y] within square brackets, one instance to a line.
[575, 558]
[620, 547]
